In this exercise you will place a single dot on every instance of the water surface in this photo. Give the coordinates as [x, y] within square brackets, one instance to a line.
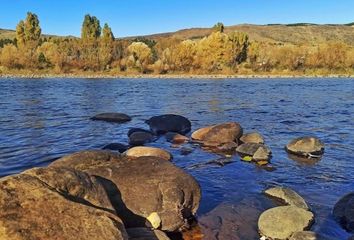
[41, 120]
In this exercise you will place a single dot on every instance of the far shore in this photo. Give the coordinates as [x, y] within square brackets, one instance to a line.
[170, 76]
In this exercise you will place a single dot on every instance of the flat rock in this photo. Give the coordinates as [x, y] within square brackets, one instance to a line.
[306, 146]
[133, 130]
[116, 147]
[287, 196]
[252, 138]
[306, 235]
[146, 234]
[176, 138]
[137, 152]
[144, 186]
[112, 117]
[258, 152]
[282, 222]
[140, 138]
[219, 134]
[344, 212]
[169, 123]
[56, 204]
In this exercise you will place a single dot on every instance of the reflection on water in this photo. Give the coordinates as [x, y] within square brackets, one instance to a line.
[41, 120]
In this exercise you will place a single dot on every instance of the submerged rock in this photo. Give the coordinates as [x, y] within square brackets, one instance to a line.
[306, 235]
[282, 222]
[56, 204]
[134, 130]
[344, 212]
[169, 123]
[306, 147]
[142, 186]
[258, 152]
[146, 234]
[116, 147]
[288, 196]
[140, 138]
[112, 117]
[148, 152]
[176, 138]
[252, 138]
[218, 134]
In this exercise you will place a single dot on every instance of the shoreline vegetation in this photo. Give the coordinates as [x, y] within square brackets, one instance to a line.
[220, 53]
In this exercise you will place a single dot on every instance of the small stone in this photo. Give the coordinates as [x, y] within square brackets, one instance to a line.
[154, 219]
[252, 138]
[140, 138]
[258, 152]
[148, 152]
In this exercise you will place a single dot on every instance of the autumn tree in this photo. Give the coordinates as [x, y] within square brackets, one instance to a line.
[106, 47]
[239, 45]
[184, 55]
[9, 56]
[140, 56]
[219, 27]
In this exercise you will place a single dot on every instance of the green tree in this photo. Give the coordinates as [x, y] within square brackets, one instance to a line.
[106, 46]
[91, 29]
[219, 27]
[239, 45]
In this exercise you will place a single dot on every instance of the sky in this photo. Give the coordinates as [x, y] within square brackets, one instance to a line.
[143, 17]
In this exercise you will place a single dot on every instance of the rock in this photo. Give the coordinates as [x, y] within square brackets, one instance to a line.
[282, 222]
[146, 234]
[140, 138]
[288, 196]
[304, 161]
[116, 147]
[258, 152]
[305, 235]
[306, 147]
[169, 123]
[252, 138]
[148, 152]
[154, 220]
[344, 212]
[56, 204]
[218, 134]
[112, 117]
[351, 238]
[134, 130]
[142, 186]
[176, 138]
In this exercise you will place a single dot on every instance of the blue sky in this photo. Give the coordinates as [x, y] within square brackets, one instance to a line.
[139, 17]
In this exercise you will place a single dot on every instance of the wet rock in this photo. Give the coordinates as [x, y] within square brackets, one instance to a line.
[283, 222]
[148, 152]
[145, 185]
[258, 152]
[288, 196]
[220, 162]
[306, 147]
[56, 204]
[140, 138]
[134, 130]
[304, 161]
[146, 234]
[112, 117]
[306, 235]
[252, 138]
[169, 123]
[351, 238]
[176, 138]
[344, 212]
[116, 147]
[218, 134]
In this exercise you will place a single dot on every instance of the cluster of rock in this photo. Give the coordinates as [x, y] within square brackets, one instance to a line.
[130, 191]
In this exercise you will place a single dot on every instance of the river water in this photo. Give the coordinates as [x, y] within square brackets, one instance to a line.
[43, 119]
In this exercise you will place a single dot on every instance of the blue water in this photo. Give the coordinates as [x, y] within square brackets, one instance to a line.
[41, 120]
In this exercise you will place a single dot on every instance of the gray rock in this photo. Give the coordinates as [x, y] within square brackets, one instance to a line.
[140, 138]
[288, 196]
[306, 147]
[112, 117]
[137, 152]
[344, 211]
[252, 138]
[145, 186]
[282, 222]
[169, 123]
[257, 151]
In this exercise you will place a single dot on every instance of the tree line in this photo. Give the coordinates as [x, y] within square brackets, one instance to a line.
[98, 50]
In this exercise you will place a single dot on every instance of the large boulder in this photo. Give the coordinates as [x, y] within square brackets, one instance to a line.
[144, 189]
[344, 211]
[253, 137]
[258, 152]
[137, 152]
[282, 222]
[306, 147]
[56, 204]
[288, 196]
[112, 117]
[218, 134]
[169, 123]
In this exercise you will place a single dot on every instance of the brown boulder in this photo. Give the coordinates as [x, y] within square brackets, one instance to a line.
[144, 186]
[56, 204]
[176, 138]
[252, 138]
[137, 152]
[306, 147]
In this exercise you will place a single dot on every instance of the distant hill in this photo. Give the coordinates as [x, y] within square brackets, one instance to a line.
[297, 33]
